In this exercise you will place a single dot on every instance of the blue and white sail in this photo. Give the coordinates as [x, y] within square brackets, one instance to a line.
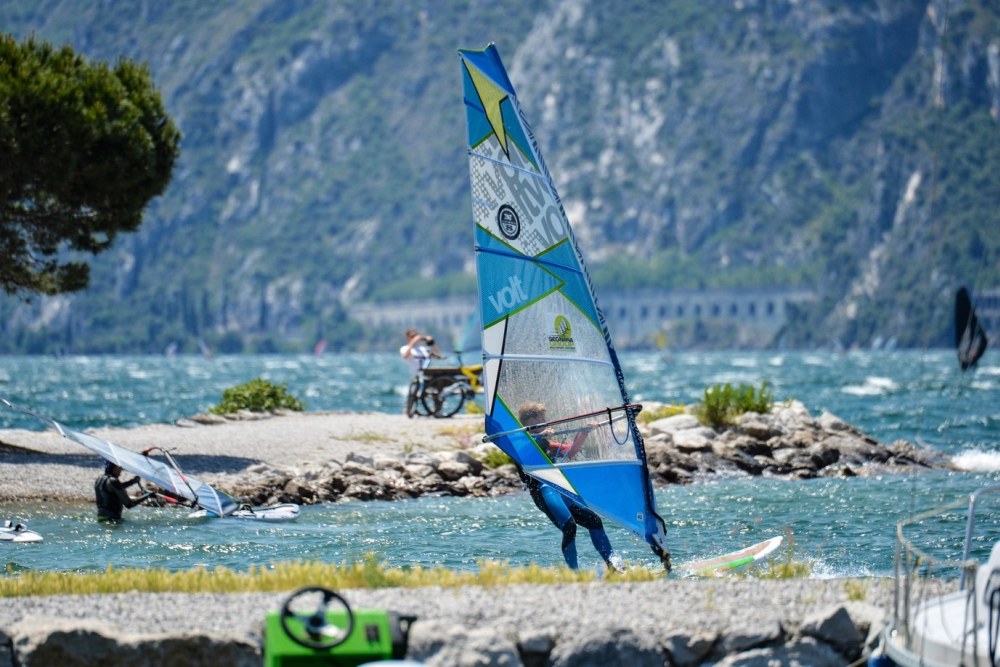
[544, 339]
[166, 475]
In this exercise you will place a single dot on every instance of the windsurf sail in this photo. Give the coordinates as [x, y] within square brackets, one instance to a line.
[970, 338]
[544, 339]
[166, 475]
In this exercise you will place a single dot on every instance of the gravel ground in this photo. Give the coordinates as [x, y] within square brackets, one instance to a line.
[575, 611]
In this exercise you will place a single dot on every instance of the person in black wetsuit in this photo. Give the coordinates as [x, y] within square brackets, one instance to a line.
[111, 496]
[562, 511]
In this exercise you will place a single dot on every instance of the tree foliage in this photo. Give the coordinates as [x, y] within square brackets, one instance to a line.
[85, 147]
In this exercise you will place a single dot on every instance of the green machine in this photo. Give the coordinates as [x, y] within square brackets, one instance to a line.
[307, 632]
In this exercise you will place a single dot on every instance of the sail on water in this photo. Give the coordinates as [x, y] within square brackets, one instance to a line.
[167, 475]
[970, 338]
[544, 339]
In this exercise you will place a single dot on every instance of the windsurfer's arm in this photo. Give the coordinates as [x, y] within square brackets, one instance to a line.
[132, 502]
[578, 440]
[132, 482]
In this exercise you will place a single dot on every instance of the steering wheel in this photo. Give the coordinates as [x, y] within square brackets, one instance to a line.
[319, 633]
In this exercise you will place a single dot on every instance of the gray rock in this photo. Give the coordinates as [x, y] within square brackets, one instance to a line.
[760, 427]
[452, 471]
[360, 459]
[671, 425]
[617, 646]
[834, 626]
[535, 646]
[803, 653]
[738, 639]
[831, 422]
[47, 641]
[442, 645]
[418, 471]
[691, 440]
[690, 651]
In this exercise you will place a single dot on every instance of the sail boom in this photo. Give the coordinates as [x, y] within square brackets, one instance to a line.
[504, 164]
[539, 260]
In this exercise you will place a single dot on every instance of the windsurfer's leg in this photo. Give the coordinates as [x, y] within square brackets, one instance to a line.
[551, 503]
[592, 522]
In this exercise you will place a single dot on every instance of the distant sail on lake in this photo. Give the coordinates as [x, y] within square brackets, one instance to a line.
[970, 338]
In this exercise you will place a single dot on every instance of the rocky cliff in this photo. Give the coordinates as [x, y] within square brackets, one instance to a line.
[848, 147]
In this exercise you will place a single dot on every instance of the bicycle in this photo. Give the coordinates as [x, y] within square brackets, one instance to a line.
[442, 391]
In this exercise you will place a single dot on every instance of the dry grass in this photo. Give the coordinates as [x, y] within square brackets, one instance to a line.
[367, 573]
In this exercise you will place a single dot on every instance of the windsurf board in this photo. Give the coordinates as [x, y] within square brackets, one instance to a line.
[732, 560]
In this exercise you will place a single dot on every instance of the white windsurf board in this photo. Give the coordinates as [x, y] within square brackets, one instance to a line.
[732, 560]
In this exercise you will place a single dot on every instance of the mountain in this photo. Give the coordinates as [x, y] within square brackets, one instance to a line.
[848, 147]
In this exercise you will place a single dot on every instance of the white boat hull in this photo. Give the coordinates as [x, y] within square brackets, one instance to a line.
[937, 633]
[18, 534]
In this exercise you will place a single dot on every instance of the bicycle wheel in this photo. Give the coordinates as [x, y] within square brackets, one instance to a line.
[443, 397]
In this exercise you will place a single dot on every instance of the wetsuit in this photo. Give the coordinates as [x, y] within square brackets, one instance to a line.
[565, 513]
[112, 498]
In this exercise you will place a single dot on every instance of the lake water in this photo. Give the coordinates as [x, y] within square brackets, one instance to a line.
[843, 527]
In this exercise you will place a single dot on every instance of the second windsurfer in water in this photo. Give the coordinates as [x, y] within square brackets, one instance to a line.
[111, 496]
[562, 511]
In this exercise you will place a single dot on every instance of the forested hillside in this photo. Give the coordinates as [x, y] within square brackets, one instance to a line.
[849, 147]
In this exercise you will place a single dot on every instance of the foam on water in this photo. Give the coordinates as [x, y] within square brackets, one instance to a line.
[977, 460]
[873, 386]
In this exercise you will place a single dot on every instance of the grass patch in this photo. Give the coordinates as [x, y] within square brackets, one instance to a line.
[367, 573]
[460, 429]
[856, 589]
[723, 403]
[367, 437]
[662, 412]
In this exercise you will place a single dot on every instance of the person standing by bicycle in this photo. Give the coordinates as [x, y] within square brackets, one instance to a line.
[417, 353]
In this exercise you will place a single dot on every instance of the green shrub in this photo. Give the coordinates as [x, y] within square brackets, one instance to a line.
[723, 403]
[496, 458]
[662, 412]
[257, 395]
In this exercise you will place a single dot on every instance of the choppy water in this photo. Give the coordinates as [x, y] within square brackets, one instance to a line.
[844, 527]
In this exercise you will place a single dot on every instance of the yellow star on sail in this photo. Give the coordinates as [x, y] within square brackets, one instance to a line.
[491, 95]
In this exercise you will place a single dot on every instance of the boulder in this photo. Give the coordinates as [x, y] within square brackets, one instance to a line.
[54, 641]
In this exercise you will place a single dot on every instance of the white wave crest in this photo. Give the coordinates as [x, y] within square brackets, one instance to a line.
[873, 386]
[977, 460]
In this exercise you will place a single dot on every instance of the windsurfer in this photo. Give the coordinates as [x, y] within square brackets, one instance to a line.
[111, 496]
[562, 511]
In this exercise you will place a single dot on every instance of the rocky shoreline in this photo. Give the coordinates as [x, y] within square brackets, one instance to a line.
[786, 443]
[330, 457]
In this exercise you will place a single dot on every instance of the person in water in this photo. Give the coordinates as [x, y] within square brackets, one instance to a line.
[111, 496]
[561, 511]
[419, 350]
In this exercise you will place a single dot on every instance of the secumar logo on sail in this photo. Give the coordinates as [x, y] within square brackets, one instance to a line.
[561, 338]
[509, 223]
